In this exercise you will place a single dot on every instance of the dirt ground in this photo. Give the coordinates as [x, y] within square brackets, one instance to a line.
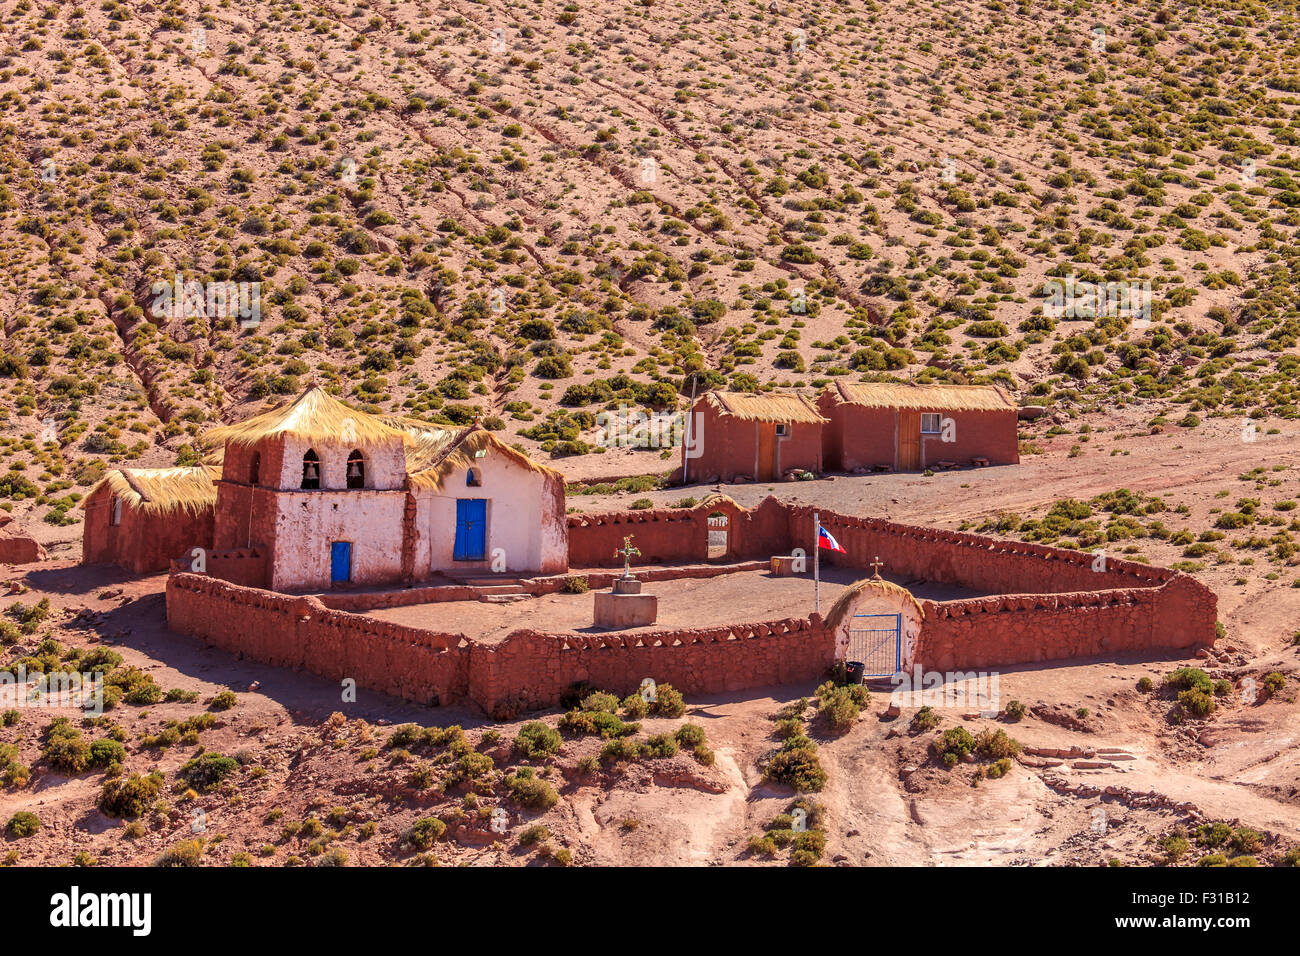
[689, 602]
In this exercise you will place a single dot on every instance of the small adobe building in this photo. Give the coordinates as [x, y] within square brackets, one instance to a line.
[751, 437]
[315, 494]
[142, 518]
[901, 427]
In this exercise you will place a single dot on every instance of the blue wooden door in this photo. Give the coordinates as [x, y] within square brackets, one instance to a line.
[471, 529]
[341, 562]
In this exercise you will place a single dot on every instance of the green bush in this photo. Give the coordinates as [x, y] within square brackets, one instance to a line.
[952, 745]
[660, 745]
[224, 700]
[64, 748]
[184, 853]
[995, 745]
[23, 824]
[797, 765]
[690, 735]
[620, 749]
[601, 701]
[924, 720]
[531, 790]
[425, 832]
[1196, 702]
[1190, 678]
[207, 770]
[105, 753]
[130, 797]
[841, 705]
[668, 702]
[589, 723]
[536, 740]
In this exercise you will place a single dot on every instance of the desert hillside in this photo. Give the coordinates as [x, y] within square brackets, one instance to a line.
[530, 212]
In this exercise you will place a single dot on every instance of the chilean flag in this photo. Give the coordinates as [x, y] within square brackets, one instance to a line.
[827, 540]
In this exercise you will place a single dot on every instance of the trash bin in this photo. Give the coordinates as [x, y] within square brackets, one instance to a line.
[853, 671]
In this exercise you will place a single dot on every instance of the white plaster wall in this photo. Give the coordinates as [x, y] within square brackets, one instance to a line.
[385, 464]
[519, 519]
[873, 601]
[307, 522]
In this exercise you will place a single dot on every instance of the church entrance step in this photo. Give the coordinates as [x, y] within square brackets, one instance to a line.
[504, 598]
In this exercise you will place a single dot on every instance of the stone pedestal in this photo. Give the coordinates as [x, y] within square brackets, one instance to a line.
[627, 586]
[614, 610]
[783, 565]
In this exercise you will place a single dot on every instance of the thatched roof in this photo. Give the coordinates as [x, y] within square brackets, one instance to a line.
[784, 408]
[437, 458]
[957, 398]
[314, 416]
[849, 596]
[159, 491]
[432, 451]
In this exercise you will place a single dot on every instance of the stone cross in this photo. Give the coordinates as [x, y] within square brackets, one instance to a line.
[877, 564]
[627, 551]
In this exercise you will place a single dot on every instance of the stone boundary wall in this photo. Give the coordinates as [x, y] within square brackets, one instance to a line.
[302, 633]
[1013, 629]
[978, 562]
[525, 670]
[530, 669]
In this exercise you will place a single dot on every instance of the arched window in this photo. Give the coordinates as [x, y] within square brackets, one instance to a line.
[473, 478]
[255, 468]
[356, 470]
[311, 469]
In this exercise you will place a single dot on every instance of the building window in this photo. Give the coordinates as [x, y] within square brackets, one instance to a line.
[356, 470]
[255, 468]
[782, 430]
[474, 478]
[116, 519]
[930, 423]
[311, 469]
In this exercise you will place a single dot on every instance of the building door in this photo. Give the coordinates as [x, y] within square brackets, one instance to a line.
[471, 529]
[766, 451]
[340, 562]
[909, 440]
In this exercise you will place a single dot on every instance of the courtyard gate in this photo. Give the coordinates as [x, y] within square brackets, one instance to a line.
[876, 640]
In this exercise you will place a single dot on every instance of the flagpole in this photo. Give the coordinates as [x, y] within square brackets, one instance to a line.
[817, 563]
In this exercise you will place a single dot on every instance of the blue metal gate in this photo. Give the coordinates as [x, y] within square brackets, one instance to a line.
[876, 640]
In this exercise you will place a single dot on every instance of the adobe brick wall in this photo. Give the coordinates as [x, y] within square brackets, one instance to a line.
[861, 437]
[300, 632]
[526, 670]
[857, 437]
[530, 670]
[143, 543]
[1019, 629]
[993, 435]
